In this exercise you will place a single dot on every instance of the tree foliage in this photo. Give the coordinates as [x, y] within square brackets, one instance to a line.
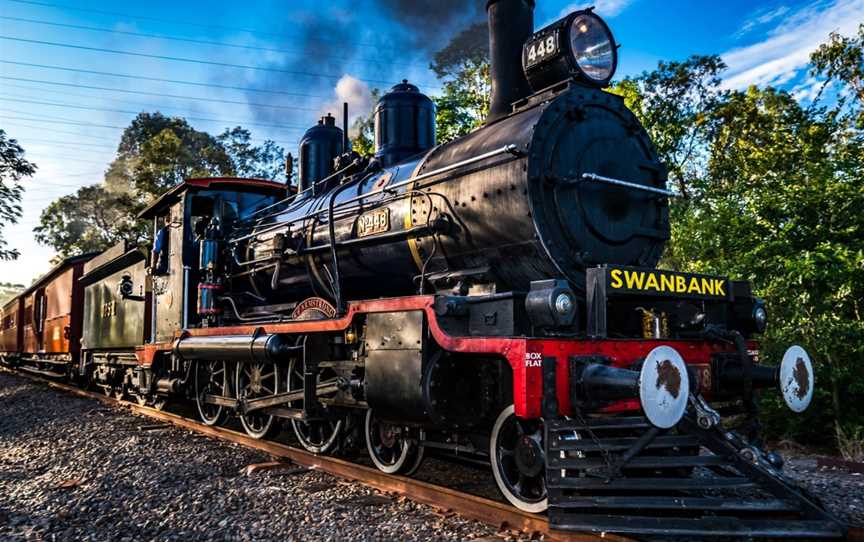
[92, 219]
[363, 129]
[771, 191]
[13, 169]
[155, 153]
[463, 67]
[673, 103]
[841, 60]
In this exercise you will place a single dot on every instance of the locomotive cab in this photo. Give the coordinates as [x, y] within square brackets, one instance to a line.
[182, 218]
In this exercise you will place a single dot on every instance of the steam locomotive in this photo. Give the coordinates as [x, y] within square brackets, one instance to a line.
[495, 297]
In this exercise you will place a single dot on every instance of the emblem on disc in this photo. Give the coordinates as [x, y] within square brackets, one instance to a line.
[797, 378]
[664, 387]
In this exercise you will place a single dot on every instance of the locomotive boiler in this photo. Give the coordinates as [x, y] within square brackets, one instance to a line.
[496, 297]
[565, 181]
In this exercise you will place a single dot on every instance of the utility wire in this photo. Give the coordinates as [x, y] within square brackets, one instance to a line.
[100, 150]
[174, 21]
[202, 42]
[61, 121]
[282, 127]
[160, 80]
[186, 60]
[111, 143]
[89, 97]
[157, 94]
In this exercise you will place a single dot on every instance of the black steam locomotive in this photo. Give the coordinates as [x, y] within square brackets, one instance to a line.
[495, 297]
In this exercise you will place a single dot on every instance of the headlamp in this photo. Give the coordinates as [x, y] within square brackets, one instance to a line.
[760, 317]
[580, 46]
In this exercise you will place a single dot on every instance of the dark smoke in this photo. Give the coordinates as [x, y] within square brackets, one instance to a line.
[433, 22]
[326, 41]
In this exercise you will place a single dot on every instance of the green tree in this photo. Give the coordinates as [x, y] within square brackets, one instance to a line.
[13, 169]
[841, 60]
[92, 219]
[674, 103]
[247, 160]
[780, 205]
[155, 153]
[771, 191]
[363, 129]
[464, 104]
[463, 66]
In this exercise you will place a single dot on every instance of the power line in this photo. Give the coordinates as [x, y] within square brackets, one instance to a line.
[157, 94]
[63, 121]
[283, 127]
[186, 60]
[111, 142]
[50, 119]
[198, 41]
[54, 130]
[64, 143]
[100, 150]
[160, 80]
[171, 21]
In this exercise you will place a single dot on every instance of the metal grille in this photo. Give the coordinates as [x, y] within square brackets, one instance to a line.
[602, 476]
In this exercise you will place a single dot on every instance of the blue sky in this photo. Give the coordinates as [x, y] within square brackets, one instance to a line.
[275, 66]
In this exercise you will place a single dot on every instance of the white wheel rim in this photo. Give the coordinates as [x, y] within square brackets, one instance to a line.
[531, 507]
[297, 425]
[384, 467]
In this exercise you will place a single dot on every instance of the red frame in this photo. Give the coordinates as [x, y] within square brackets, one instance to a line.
[520, 352]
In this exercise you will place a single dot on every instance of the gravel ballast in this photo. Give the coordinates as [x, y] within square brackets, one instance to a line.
[74, 469]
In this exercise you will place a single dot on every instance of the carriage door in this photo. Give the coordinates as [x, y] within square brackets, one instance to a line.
[39, 307]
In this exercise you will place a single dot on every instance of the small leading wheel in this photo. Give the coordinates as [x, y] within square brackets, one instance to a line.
[256, 380]
[318, 436]
[394, 449]
[118, 391]
[211, 378]
[519, 462]
[159, 402]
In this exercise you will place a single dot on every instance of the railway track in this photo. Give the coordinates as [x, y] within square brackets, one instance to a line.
[469, 506]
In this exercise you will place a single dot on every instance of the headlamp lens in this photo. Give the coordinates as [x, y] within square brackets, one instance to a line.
[593, 47]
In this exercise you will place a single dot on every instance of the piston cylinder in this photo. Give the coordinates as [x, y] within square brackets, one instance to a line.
[239, 348]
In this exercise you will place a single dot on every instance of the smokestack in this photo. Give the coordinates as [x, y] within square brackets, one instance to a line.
[511, 23]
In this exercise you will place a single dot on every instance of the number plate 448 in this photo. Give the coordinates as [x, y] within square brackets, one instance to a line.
[541, 49]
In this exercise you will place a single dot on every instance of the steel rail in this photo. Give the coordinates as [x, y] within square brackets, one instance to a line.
[494, 513]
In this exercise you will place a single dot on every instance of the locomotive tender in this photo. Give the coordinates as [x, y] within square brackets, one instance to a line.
[495, 297]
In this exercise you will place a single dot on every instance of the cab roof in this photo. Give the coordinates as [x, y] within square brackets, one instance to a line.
[203, 183]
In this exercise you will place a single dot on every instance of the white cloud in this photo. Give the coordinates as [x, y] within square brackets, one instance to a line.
[786, 51]
[810, 89]
[356, 93]
[604, 8]
[760, 18]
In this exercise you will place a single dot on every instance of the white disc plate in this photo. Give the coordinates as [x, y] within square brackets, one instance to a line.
[664, 387]
[797, 378]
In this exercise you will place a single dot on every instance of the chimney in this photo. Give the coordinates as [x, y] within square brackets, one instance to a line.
[511, 23]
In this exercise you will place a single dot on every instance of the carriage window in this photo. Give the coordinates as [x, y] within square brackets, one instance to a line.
[161, 250]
